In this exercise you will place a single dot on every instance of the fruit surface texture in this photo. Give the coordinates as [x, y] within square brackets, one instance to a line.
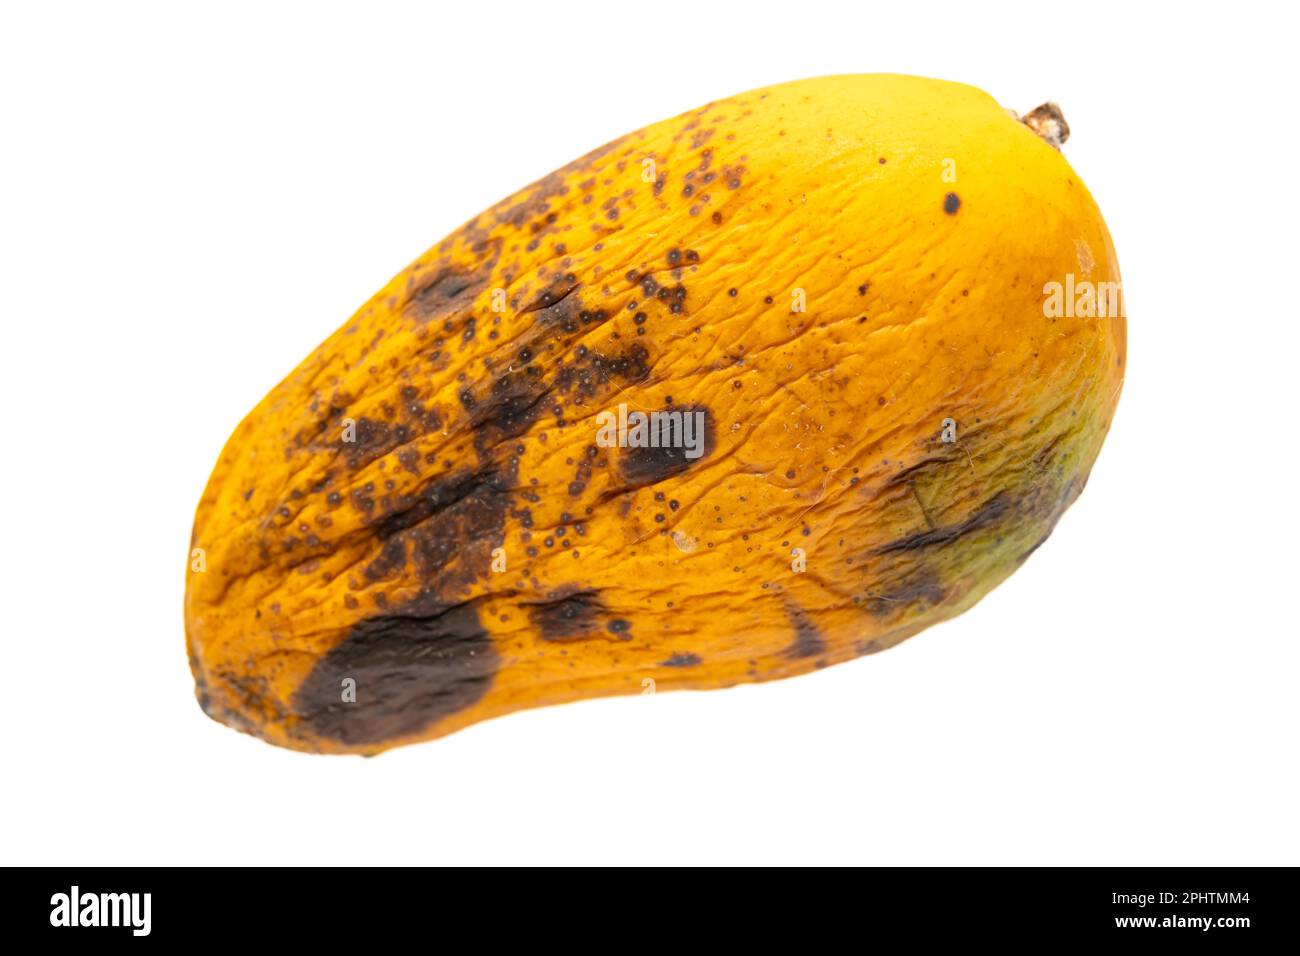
[876, 317]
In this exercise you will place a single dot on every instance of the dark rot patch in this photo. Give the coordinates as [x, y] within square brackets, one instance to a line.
[914, 589]
[469, 494]
[991, 512]
[447, 527]
[567, 614]
[951, 203]
[647, 466]
[412, 668]
[511, 405]
[682, 660]
[808, 641]
[373, 439]
[445, 290]
[391, 560]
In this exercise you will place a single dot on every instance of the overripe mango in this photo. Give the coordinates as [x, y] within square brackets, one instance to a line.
[761, 388]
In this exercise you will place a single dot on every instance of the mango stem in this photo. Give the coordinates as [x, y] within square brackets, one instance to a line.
[1049, 123]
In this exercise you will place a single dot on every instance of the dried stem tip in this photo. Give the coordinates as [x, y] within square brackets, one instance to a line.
[1049, 123]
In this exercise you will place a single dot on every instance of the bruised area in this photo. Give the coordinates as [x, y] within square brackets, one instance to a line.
[446, 290]
[808, 640]
[442, 531]
[923, 570]
[571, 613]
[650, 464]
[448, 518]
[429, 657]
[910, 591]
[990, 513]
[566, 614]
[410, 669]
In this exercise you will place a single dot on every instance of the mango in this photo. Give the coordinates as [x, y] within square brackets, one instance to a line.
[768, 386]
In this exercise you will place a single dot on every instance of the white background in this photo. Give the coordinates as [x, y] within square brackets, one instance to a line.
[194, 197]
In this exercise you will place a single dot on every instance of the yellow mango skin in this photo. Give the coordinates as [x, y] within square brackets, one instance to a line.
[665, 271]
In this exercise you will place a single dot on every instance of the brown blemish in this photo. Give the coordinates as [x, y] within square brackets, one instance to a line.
[568, 613]
[647, 466]
[412, 667]
[428, 656]
[390, 561]
[808, 640]
[446, 291]
[681, 660]
[990, 513]
[591, 370]
[914, 589]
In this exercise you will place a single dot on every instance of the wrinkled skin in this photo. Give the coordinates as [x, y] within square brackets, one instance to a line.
[917, 223]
